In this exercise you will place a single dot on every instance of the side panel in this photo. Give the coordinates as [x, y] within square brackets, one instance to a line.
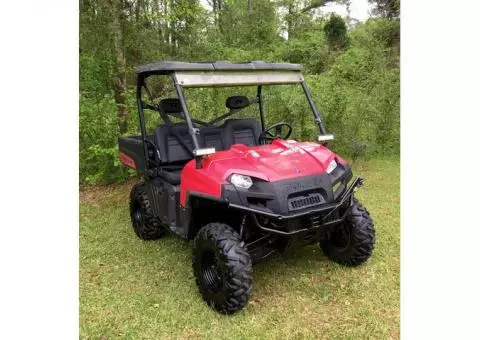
[127, 160]
[165, 198]
[197, 180]
[131, 152]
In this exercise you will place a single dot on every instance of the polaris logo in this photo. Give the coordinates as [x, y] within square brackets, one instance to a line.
[293, 187]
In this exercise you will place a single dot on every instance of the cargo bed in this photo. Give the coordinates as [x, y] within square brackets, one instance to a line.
[132, 154]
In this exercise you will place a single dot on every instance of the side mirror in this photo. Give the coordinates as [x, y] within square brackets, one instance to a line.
[325, 138]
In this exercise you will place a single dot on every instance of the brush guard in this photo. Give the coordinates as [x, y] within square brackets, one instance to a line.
[322, 218]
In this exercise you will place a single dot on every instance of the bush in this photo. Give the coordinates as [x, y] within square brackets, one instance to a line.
[99, 161]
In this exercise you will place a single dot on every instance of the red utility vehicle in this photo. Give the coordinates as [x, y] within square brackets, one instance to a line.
[238, 189]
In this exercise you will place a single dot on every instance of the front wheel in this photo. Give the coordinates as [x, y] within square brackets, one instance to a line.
[353, 242]
[222, 268]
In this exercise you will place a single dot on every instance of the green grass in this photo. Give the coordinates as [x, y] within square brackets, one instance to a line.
[145, 290]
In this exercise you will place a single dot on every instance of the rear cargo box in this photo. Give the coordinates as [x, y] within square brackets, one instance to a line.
[131, 152]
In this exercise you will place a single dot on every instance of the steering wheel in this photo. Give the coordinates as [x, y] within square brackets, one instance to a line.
[267, 135]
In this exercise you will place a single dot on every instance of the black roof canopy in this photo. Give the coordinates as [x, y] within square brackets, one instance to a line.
[168, 67]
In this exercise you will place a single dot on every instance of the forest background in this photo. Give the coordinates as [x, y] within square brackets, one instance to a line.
[351, 67]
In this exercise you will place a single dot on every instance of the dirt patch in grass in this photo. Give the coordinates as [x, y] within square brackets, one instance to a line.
[94, 194]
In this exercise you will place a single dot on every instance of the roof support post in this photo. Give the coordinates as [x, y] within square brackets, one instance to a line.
[260, 106]
[141, 117]
[316, 114]
[191, 128]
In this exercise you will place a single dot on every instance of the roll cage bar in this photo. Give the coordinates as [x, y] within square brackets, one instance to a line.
[173, 68]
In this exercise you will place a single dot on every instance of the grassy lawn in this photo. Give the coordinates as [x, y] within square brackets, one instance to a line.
[145, 290]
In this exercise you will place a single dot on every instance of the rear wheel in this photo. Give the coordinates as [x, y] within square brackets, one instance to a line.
[145, 224]
[353, 242]
[222, 268]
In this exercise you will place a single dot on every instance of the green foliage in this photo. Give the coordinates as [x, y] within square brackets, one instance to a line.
[386, 8]
[310, 51]
[336, 32]
[246, 28]
[99, 161]
[361, 97]
[353, 74]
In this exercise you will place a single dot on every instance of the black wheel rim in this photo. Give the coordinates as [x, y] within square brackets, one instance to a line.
[211, 275]
[341, 238]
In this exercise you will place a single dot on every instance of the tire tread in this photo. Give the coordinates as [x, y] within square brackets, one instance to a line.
[152, 228]
[363, 235]
[235, 256]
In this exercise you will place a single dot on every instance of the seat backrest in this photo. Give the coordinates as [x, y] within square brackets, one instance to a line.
[170, 106]
[212, 137]
[241, 131]
[175, 142]
[171, 149]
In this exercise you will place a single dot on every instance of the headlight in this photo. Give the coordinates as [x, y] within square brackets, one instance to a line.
[332, 166]
[241, 181]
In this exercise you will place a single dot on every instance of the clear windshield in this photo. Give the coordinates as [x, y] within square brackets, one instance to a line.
[286, 103]
[281, 103]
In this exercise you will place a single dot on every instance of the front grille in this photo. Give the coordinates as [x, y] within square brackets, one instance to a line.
[306, 201]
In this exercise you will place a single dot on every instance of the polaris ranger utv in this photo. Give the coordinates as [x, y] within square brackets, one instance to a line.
[238, 189]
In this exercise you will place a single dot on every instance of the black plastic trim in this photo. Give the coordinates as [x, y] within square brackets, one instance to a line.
[327, 207]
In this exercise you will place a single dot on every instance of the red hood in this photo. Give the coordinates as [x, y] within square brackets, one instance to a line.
[277, 161]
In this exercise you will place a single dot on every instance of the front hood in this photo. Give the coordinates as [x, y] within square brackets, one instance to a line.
[273, 162]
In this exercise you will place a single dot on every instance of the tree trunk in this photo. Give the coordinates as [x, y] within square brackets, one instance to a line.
[157, 16]
[172, 34]
[120, 77]
[215, 12]
[290, 21]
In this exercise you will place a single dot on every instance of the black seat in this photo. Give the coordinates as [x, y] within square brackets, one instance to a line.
[212, 137]
[170, 106]
[242, 131]
[176, 146]
[232, 131]
[175, 143]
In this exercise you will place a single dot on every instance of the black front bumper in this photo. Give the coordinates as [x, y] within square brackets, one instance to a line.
[322, 218]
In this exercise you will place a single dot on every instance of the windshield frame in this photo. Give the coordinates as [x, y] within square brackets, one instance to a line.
[266, 79]
[204, 79]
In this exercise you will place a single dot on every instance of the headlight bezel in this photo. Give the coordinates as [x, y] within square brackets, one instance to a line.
[331, 166]
[241, 181]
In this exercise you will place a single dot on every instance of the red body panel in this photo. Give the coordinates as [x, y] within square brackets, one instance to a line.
[127, 160]
[283, 159]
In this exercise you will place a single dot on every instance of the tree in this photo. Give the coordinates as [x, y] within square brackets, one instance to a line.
[248, 27]
[315, 4]
[336, 33]
[298, 13]
[352, 72]
[120, 77]
[389, 9]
